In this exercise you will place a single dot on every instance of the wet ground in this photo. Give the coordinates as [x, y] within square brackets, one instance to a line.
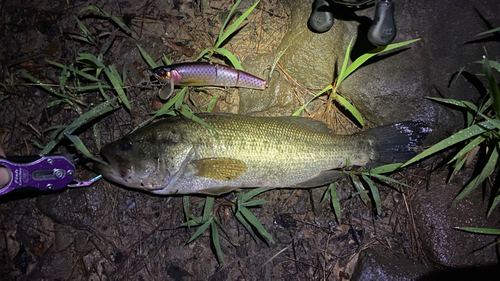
[106, 232]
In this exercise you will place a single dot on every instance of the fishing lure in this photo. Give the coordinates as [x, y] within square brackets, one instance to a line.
[206, 74]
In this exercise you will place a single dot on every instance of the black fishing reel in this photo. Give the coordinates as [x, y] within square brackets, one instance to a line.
[382, 31]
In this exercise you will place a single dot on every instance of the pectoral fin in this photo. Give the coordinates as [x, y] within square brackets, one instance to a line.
[223, 169]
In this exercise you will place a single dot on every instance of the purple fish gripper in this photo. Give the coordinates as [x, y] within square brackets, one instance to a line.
[49, 172]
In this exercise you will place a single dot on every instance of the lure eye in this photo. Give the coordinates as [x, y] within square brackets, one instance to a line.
[164, 74]
[126, 144]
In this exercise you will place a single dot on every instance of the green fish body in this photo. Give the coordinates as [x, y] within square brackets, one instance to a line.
[180, 156]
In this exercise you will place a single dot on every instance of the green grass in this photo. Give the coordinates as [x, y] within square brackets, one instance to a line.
[345, 72]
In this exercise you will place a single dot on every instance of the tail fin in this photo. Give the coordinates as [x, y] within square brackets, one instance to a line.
[397, 143]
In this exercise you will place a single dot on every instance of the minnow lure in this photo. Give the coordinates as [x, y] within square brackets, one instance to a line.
[206, 74]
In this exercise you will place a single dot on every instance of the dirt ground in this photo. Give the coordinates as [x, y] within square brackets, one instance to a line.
[106, 232]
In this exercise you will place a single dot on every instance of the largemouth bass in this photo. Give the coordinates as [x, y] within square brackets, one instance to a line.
[179, 156]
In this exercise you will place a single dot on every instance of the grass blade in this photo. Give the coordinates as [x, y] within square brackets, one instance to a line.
[255, 222]
[495, 202]
[245, 224]
[146, 57]
[389, 168]
[200, 230]
[97, 111]
[489, 31]
[463, 104]
[231, 12]
[207, 211]
[475, 142]
[44, 86]
[116, 82]
[254, 203]
[215, 241]
[351, 109]
[360, 188]
[362, 59]
[335, 201]
[486, 172]
[187, 113]
[297, 113]
[230, 56]
[488, 231]
[204, 52]
[342, 75]
[254, 192]
[75, 70]
[121, 24]
[493, 87]
[79, 144]
[235, 25]
[462, 135]
[185, 206]
[167, 61]
[375, 193]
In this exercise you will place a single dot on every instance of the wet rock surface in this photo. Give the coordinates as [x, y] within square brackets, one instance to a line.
[436, 217]
[377, 264]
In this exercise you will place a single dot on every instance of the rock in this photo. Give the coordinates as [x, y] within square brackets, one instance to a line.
[278, 98]
[395, 86]
[77, 208]
[436, 218]
[312, 58]
[382, 265]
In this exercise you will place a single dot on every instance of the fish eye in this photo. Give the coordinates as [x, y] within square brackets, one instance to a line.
[164, 74]
[126, 144]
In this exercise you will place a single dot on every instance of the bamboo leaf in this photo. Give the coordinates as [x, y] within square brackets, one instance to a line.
[116, 82]
[255, 222]
[254, 203]
[254, 192]
[245, 224]
[185, 206]
[360, 188]
[234, 26]
[79, 144]
[389, 168]
[486, 172]
[362, 59]
[488, 231]
[475, 142]
[351, 109]
[207, 211]
[297, 113]
[375, 193]
[463, 104]
[230, 56]
[335, 201]
[121, 24]
[44, 86]
[495, 202]
[489, 31]
[215, 241]
[342, 74]
[200, 230]
[493, 87]
[146, 57]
